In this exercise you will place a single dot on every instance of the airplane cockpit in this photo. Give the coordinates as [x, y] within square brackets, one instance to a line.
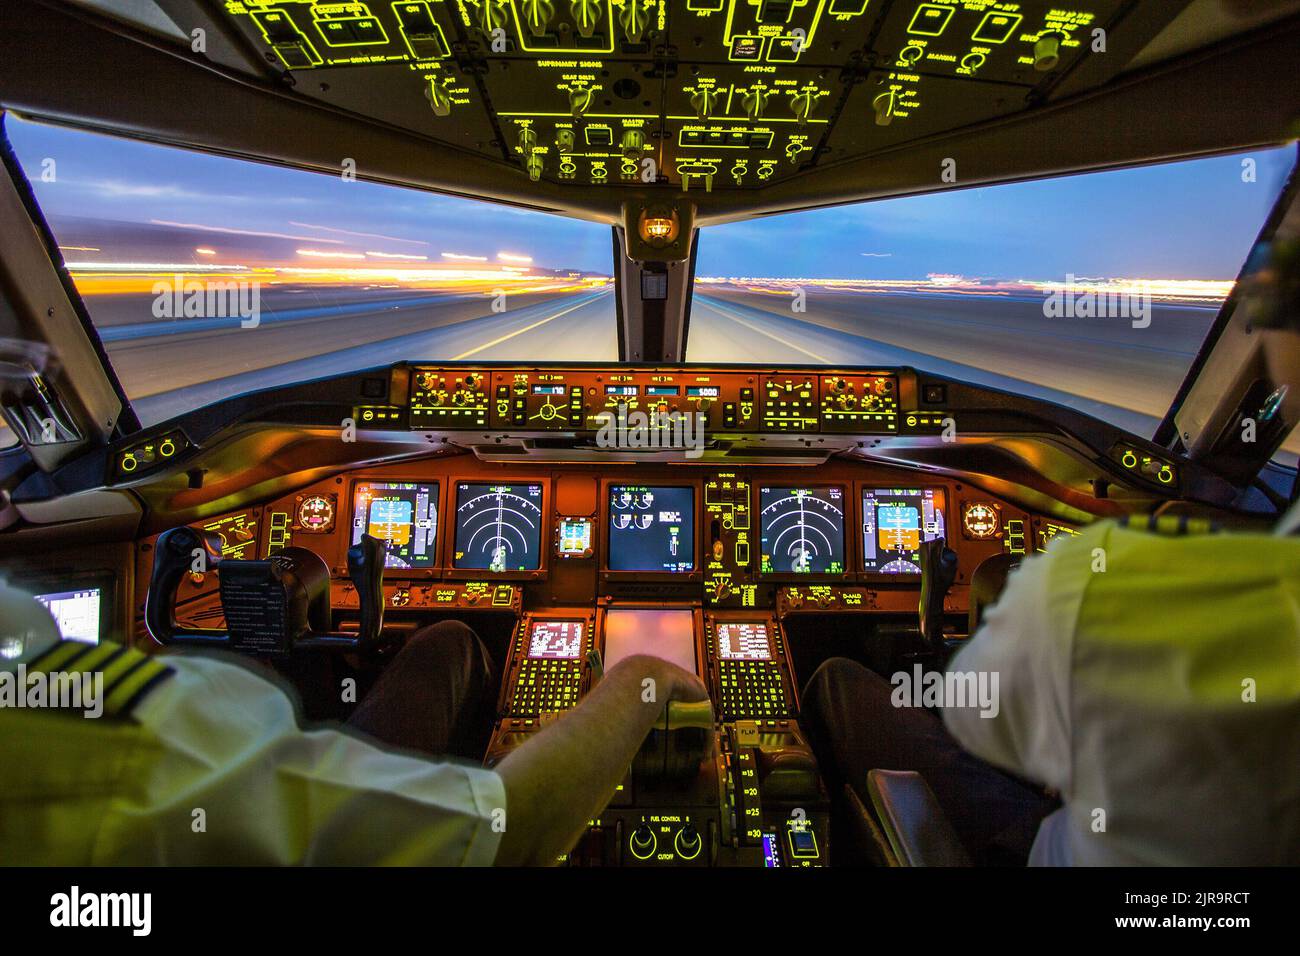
[326, 322]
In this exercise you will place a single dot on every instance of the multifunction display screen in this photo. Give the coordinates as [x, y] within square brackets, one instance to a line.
[402, 514]
[651, 528]
[895, 521]
[802, 529]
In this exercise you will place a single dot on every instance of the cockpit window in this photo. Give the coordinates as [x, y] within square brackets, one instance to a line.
[208, 277]
[1095, 291]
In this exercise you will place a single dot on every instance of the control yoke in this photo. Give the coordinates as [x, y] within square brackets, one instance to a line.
[271, 606]
[938, 571]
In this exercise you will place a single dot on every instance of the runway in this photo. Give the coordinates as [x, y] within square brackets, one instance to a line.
[1104, 367]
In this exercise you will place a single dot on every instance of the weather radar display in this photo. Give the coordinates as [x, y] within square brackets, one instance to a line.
[894, 523]
[651, 529]
[803, 529]
[403, 515]
[498, 527]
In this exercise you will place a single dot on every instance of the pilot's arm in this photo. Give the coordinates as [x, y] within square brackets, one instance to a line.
[212, 767]
[1024, 643]
[272, 793]
[557, 782]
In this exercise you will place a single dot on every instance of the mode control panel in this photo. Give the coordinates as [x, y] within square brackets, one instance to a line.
[859, 404]
[445, 398]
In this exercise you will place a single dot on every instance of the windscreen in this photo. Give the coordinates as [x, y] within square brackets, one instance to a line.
[1093, 291]
[208, 277]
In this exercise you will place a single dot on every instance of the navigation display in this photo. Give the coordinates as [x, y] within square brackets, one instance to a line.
[894, 523]
[651, 529]
[802, 529]
[498, 527]
[555, 640]
[76, 613]
[743, 641]
[402, 514]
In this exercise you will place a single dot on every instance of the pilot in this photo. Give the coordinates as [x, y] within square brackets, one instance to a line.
[197, 759]
[1152, 682]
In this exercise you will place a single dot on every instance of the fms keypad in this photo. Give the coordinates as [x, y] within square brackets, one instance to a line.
[549, 678]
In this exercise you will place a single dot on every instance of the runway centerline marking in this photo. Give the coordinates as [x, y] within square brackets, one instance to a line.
[526, 328]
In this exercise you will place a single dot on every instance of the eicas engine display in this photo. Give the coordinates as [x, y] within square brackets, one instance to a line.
[651, 529]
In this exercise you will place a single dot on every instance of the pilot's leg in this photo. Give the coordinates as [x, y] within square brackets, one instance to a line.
[434, 696]
[854, 727]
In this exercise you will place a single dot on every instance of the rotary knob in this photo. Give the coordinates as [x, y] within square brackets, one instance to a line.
[564, 140]
[634, 19]
[580, 100]
[804, 104]
[632, 144]
[439, 93]
[537, 15]
[884, 107]
[703, 101]
[586, 14]
[1047, 51]
[491, 16]
[755, 101]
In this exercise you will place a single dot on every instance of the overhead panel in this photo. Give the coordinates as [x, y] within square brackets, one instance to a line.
[687, 94]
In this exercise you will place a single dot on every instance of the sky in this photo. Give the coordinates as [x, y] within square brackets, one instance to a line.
[1189, 220]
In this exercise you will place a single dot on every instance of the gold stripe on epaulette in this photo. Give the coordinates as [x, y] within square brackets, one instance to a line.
[127, 674]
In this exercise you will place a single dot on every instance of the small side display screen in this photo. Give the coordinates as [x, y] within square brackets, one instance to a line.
[555, 640]
[498, 527]
[76, 613]
[573, 537]
[802, 529]
[651, 529]
[403, 515]
[894, 523]
[743, 641]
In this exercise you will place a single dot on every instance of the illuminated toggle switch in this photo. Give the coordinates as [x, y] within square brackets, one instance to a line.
[634, 18]
[537, 15]
[527, 140]
[884, 107]
[439, 94]
[1047, 51]
[564, 140]
[534, 166]
[632, 144]
[586, 14]
[703, 101]
[755, 101]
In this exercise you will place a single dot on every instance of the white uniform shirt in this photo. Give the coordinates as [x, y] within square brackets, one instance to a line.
[1160, 696]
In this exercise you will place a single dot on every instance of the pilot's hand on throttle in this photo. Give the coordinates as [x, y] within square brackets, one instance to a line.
[673, 683]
